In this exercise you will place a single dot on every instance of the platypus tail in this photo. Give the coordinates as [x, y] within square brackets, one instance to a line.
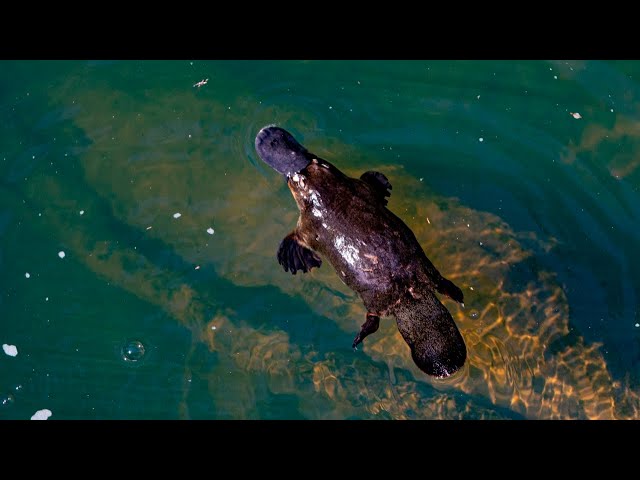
[448, 288]
[437, 347]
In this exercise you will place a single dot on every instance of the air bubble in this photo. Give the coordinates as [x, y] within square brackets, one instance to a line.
[133, 351]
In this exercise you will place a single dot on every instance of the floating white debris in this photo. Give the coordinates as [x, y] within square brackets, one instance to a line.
[42, 414]
[46, 299]
[81, 212]
[10, 350]
[197, 267]
[27, 274]
[61, 254]
[210, 231]
[575, 115]
[149, 227]
[555, 76]
[478, 97]
[213, 327]
[481, 139]
[428, 221]
[201, 83]
[637, 325]
[470, 288]
[612, 110]
[177, 215]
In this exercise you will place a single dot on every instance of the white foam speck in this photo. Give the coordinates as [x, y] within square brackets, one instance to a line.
[210, 231]
[575, 115]
[27, 274]
[42, 414]
[81, 212]
[481, 139]
[177, 215]
[637, 325]
[10, 350]
[61, 254]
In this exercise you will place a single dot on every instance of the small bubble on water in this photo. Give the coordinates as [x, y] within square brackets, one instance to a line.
[17, 388]
[133, 351]
[474, 314]
[6, 400]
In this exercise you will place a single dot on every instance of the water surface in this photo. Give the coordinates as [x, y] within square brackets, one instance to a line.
[519, 178]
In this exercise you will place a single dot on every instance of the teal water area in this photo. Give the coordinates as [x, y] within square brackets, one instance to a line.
[519, 178]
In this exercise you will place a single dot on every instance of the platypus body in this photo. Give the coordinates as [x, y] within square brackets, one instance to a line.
[345, 220]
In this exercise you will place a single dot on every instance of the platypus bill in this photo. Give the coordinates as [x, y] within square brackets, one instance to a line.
[345, 220]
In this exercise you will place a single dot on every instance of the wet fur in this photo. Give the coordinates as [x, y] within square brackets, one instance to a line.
[373, 251]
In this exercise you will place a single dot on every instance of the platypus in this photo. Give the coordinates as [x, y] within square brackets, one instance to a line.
[346, 221]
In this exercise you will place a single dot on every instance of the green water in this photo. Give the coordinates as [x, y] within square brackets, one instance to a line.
[532, 212]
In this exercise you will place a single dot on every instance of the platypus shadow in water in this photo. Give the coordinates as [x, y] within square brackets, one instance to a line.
[346, 221]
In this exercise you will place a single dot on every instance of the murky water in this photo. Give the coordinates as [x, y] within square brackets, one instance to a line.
[519, 179]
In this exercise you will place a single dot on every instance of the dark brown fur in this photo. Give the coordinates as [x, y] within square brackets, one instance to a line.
[373, 251]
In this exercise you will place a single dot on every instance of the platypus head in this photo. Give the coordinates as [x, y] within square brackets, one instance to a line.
[278, 149]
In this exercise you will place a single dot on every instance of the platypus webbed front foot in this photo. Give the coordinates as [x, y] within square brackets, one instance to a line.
[294, 256]
[368, 327]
